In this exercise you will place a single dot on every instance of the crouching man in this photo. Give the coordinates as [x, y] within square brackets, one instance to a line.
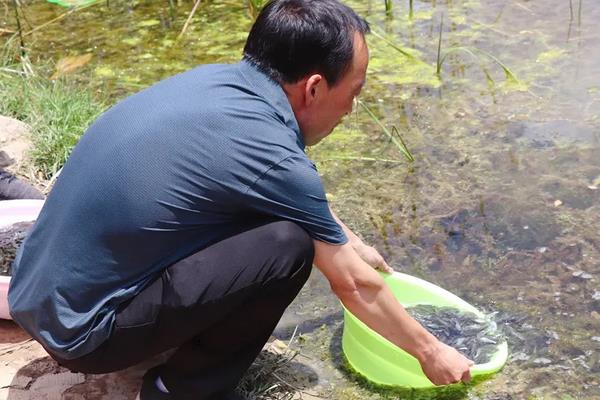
[188, 217]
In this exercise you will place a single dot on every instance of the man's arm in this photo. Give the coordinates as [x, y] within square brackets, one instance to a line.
[363, 292]
[368, 253]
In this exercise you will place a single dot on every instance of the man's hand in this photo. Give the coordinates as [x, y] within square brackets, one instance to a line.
[372, 257]
[444, 365]
[365, 294]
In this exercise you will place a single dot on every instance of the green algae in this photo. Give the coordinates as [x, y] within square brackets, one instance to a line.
[551, 55]
[397, 69]
[104, 72]
[133, 41]
[148, 23]
[423, 14]
[448, 392]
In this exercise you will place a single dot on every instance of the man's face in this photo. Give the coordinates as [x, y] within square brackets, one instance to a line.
[333, 103]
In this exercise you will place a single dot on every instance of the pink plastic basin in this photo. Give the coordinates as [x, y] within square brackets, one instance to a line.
[12, 211]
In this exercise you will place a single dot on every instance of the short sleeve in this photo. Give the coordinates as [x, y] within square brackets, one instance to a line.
[292, 190]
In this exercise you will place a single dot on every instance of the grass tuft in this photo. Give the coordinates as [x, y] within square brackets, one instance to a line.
[58, 111]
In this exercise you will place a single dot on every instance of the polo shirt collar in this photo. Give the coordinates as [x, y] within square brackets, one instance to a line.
[273, 93]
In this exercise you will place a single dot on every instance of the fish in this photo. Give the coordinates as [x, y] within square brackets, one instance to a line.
[475, 337]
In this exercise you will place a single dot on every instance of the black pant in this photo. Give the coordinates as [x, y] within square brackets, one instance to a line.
[218, 307]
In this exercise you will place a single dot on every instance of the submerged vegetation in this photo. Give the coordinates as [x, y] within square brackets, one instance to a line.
[393, 135]
[53, 140]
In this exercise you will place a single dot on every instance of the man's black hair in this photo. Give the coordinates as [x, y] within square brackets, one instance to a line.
[293, 38]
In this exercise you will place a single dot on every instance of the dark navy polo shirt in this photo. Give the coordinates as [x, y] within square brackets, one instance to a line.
[161, 175]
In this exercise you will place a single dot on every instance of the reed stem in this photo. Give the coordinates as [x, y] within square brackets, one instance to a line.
[439, 49]
[171, 10]
[571, 8]
[189, 19]
[359, 158]
[61, 16]
[394, 46]
[399, 142]
[19, 29]
[388, 7]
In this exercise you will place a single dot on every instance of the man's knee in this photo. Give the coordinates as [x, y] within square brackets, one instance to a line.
[293, 242]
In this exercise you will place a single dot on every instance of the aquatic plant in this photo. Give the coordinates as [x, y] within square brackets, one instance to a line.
[171, 9]
[439, 48]
[392, 44]
[19, 29]
[571, 8]
[457, 391]
[476, 53]
[394, 135]
[388, 7]
[359, 158]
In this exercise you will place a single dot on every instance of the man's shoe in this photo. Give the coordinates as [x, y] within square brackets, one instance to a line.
[149, 390]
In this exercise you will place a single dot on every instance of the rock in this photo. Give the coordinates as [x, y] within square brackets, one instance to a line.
[582, 275]
[15, 139]
[542, 361]
[51, 386]
[520, 356]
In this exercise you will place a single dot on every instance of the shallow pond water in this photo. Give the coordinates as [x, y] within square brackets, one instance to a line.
[501, 206]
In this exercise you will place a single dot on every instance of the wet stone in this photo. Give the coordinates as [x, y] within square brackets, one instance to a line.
[520, 356]
[475, 337]
[11, 238]
[582, 275]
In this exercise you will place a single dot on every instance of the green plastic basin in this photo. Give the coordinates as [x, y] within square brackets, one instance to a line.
[383, 363]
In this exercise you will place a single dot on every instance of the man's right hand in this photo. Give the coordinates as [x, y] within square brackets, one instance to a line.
[365, 294]
[444, 365]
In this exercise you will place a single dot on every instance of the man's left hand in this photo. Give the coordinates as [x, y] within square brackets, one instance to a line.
[371, 256]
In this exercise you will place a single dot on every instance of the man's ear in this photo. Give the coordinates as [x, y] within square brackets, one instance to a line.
[312, 87]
